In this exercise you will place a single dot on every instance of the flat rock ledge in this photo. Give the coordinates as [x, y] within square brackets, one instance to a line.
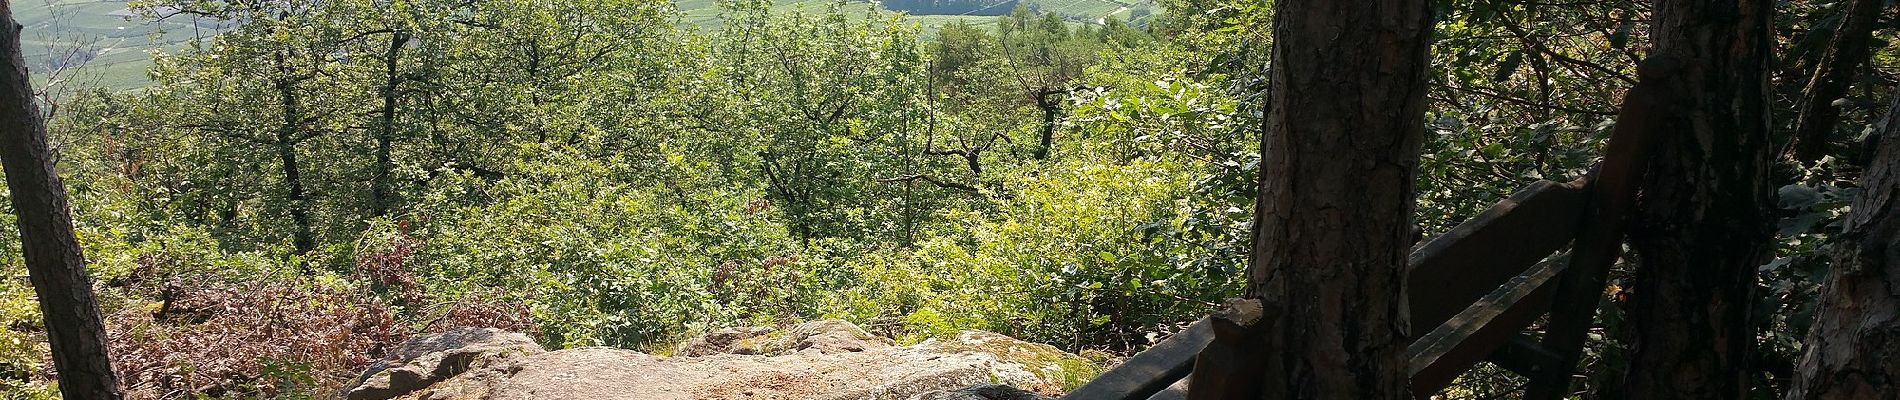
[818, 360]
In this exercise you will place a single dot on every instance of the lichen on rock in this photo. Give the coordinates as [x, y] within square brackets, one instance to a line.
[1048, 364]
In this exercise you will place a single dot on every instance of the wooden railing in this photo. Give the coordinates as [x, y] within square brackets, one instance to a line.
[1480, 284]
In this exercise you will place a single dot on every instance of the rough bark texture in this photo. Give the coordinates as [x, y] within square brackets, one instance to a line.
[1846, 53]
[1856, 335]
[1333, 225]
[53, 259]
[1704, 223]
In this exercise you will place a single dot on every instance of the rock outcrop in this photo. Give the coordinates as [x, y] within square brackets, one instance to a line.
[820, 360]
[828, 336]
[424, 361]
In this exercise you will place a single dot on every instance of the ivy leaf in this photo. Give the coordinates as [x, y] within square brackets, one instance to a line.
[1797, 197]
[1776, 265]
[1801, 223]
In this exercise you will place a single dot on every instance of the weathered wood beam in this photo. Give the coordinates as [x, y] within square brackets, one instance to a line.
[1455, 269]
[1613, 188]
[1232, 366]
[1447, 274]
[1149, 371]
[1524, 356]
[1177, 391]
[1487, 325]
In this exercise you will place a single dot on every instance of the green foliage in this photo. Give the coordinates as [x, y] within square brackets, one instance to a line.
[598, 175]
[1081, 241]
[602, 262]
[823, 99]
[21, 350]
[629, 172]
[1078, 244]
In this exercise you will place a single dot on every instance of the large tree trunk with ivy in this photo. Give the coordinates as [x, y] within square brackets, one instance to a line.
[1856, 334]
[1704, 224]
[51, 251]
[1333, 224]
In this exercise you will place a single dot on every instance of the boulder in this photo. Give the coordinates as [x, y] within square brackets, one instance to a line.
[722, 341]
[426, 360]
[831, 336]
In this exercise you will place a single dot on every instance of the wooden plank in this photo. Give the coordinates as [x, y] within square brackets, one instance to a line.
[1486, 325]
[1446, 275]
[1453, 270]
[1150, 371]
[1524, 356]
[1613, 189]
[1232, 365]
[1177, 391]
[1576, 298]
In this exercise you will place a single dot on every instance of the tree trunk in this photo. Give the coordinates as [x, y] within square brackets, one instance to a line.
[1704, 223]
[53, 259]
[1050, 104]
[1847, 51]
[286, 144]
[1333, 225]
[379, 196]
[1856, 332]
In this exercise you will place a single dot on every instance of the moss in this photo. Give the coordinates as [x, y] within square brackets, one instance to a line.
[770, 343]
[1047, 362]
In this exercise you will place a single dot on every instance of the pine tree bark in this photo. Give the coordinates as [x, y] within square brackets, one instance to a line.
[51, 251]
[1856, 334]
[1847, 51]
[1704, 223]
[1333, 226]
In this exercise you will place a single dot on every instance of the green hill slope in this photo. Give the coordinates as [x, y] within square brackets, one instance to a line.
[115, 44]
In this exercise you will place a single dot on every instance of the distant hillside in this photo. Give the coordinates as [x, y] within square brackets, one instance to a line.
[953, 7]
[116, 44]
[112, 42]
[934, 14]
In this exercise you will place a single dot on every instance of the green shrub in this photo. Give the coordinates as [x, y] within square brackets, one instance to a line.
[1073, 259]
